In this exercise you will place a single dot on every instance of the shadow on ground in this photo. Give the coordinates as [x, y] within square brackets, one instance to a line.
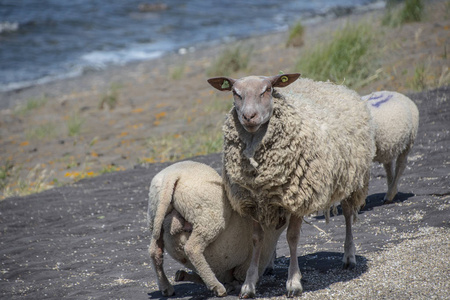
[319, 271]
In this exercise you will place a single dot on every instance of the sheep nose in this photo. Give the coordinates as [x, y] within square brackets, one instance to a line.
[249, 117]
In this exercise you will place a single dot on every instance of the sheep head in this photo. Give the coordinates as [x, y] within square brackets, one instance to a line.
[253, 98]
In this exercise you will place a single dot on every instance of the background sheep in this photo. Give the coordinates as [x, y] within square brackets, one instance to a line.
[189, 215]
[396, 121]
[294, 152]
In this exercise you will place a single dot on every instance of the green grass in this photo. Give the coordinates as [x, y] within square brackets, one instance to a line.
[5, 173]
[296, 34]
[188, 144]
[74, 124]
[217, 105]
[230, 61]
[447, 9]
[418, 82]
[37, 180]
[43, 131]
[111, 97]
[177, 72]
[412, 11]
[30, 105]
[401, 12]
[346, 59]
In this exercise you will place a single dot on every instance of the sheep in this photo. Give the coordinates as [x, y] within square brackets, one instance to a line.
[396, 121]
[292, 153]
[190, 216]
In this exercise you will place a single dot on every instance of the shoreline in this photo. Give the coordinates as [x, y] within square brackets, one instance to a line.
[12, 97]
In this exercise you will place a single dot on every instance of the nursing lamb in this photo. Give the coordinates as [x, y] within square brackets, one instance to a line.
[292, 152]
[190, 217]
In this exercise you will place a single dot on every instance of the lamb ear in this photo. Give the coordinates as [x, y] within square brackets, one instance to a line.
[222, 83]
[283, 80]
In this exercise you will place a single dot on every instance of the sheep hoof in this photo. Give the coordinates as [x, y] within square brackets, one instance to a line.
[294, 293]
[247, 291]
[168, 291]
[349, 265]
[293, 288]
[179, 275]
[247, 295]
[220, 291]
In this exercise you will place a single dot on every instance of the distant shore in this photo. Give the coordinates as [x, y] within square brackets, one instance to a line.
[58, 87]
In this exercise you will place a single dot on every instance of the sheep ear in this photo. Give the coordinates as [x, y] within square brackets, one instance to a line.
[222, 83]
[283, 80]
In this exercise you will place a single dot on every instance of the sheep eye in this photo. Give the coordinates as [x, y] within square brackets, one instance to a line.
[236, 94]
[268, 90]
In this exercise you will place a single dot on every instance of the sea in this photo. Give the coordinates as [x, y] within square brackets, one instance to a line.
[47, 40]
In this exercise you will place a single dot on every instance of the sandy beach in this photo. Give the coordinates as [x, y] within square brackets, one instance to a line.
[86, 148]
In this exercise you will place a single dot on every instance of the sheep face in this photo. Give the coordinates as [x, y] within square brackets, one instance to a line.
[253, 99]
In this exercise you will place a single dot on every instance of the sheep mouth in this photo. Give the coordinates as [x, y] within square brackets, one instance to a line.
[252, 128]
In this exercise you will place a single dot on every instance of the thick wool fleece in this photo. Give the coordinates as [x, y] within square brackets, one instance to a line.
[316, 150]
[396, 121]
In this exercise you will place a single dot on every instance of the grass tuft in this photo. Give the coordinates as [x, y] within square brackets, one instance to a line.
[30, 105]
[180, 146]
[111, 97]
[296, 34]
[177, 72]
[37, 180]
[74, 124]
[412, 11]
[419, 80]
[409, 11]
[345, 59]
[47, 130]
[5, 173]
[231, 60]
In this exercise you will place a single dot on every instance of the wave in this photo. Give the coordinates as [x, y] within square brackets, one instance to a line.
[94, 61]
[102, 59]
[6, 27]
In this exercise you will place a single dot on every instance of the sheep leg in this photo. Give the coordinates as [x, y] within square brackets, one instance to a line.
[349, 259]
[248, 289]
[156, 251]
[271, 267]
[293, 284]
[389, 173]
[194, 249]
[400, 166]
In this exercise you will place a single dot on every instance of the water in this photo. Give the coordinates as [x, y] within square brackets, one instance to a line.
[45, 40]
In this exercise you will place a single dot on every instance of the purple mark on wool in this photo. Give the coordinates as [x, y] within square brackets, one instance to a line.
[378, 103]
[375, 97]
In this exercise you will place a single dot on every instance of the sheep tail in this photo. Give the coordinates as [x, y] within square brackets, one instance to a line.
[165, 196]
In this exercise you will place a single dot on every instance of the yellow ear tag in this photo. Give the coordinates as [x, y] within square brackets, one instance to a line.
[284, 78]
[225, 84]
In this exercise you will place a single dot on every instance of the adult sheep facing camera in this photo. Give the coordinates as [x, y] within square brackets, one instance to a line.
[294, 152]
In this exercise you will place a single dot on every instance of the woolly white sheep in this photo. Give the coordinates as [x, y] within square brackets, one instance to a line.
[396, 121]
[294, 152]
[190, 216]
